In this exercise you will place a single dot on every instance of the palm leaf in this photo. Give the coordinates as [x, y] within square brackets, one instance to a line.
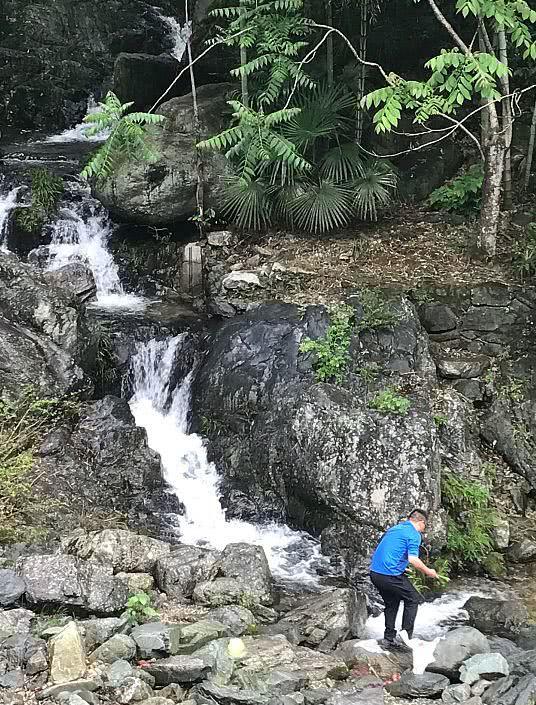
[319, 206]
[342, 163]
[374, 189]
[246, 202]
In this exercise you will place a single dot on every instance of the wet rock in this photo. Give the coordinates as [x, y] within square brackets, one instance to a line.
[124, 550]
[132, 690]
[11, 587]
[118, 647]
[511, 691]
[456, 693]
[177, 669]
[497, 617]
[411, 685]
[164, 191]
[76, 278]
[67, 655]
[488, 666]
[237, 619]
[97, 631]
[328, 618]
[155, 640]
[58, 580]
[178, 573]
[456, 647]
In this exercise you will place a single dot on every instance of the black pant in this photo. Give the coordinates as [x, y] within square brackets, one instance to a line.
[395, 589]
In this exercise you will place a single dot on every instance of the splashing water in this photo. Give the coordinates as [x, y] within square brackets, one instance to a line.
[180, 35]
[164, 412]
[7, 203]
[78, 132]
[81, 234]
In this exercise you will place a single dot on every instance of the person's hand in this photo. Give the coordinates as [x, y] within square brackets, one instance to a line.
[433, 574]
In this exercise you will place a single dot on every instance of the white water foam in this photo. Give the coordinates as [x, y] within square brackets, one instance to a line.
[81, 234]
[78, 132]
[8, 202]
[179, 35]
[164, 412]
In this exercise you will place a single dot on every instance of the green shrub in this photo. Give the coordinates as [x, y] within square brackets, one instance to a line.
[440, 420]
[46, 192]
[139, 608]
[524, 254]
[22, 425]
[424, 584]
[461, 194]
[471, 521]
[376, 311]
[332, 352]
[389, 401]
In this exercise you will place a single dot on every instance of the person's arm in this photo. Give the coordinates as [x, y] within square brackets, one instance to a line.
[416, 562]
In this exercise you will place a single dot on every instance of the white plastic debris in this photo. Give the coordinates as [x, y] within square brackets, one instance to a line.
[422, 651]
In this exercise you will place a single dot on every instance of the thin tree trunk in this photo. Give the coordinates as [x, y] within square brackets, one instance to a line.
[484, 115]
[199, 168]
[329, 44]
[490, 209]
[243, 62]
[530, 149]
[506, 121]
[363, 37]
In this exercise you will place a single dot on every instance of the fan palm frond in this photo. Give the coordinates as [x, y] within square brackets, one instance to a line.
[374, 189]
[246, 202]
[342, 163]
[320, 206]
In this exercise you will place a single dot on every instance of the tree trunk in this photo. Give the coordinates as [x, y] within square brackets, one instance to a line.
[490, 209]
[484, 116]
[530, 149]
[200, 190]
[506, 121]
[363, 36]
[329, 44]
[243, 61]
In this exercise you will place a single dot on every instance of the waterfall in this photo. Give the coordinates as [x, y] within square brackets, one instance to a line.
[179, 35]
[8, 202]
[81, 234]
[164, 413]
[78, 132]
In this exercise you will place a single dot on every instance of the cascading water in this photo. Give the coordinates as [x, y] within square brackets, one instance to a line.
[81, 234]
[179, 35]
[8, 202]
[163, 412]
[78, 132]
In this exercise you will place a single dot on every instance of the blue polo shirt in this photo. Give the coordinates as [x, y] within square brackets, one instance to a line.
[391, 554]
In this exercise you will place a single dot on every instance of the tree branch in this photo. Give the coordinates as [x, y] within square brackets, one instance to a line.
[450, 29]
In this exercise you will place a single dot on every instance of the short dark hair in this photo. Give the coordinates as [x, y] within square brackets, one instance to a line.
[419, 515]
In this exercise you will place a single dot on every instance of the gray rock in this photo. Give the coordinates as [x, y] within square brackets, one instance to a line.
[124, 550]
[501, 534]
[488, 666]
[74, 277]
[526, 639]
[164, 191]
[222, 665]
[437, 318]
[118, 647]
[178, 573]
[67, 655]
[456, 693]
[500, 645]
[511, 691]
[174, 691]
[463, 367]
[369, 694]
[118, 672]
[58, 580]
[411, 685]
[384, 665]
[247, 565]
[159, 700]
[72, 699]
[231, 695]
[523, 551]
[178, 669]
[222, 591]
[237, 619]
[37, 659]
[241, 281]
[96, 631]
[456, 647]
[155, 639]
[137, 582]
[53, 691]
[11, 587]
[132, 690]
[196, 635]
[16, 621]
[327, 619]
[12, 679]
[497, 617]
[522, 663]
[222, 238]
[479, 687]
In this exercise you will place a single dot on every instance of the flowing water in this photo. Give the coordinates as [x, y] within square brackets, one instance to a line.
[8, 201]
[78, 132]
[163, 412]
[81, 234]
[179, 35]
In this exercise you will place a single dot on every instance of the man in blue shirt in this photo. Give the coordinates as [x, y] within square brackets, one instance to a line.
[398, 548]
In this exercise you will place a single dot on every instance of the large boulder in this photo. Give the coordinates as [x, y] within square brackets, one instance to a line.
[426, 685]
[178, 573]
[315, 452]
[57, 581]
[45, 340]
[164, 191]
[103, 468]
[124, 550]
[456, 647]
[325, 620]
[504, 618]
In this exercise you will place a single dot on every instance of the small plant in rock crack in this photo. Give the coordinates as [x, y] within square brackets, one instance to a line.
[377, 312]
[440, 420]
[389, 401]
[139, 608]
[524, 254]
[369, 373]
[332, 352]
